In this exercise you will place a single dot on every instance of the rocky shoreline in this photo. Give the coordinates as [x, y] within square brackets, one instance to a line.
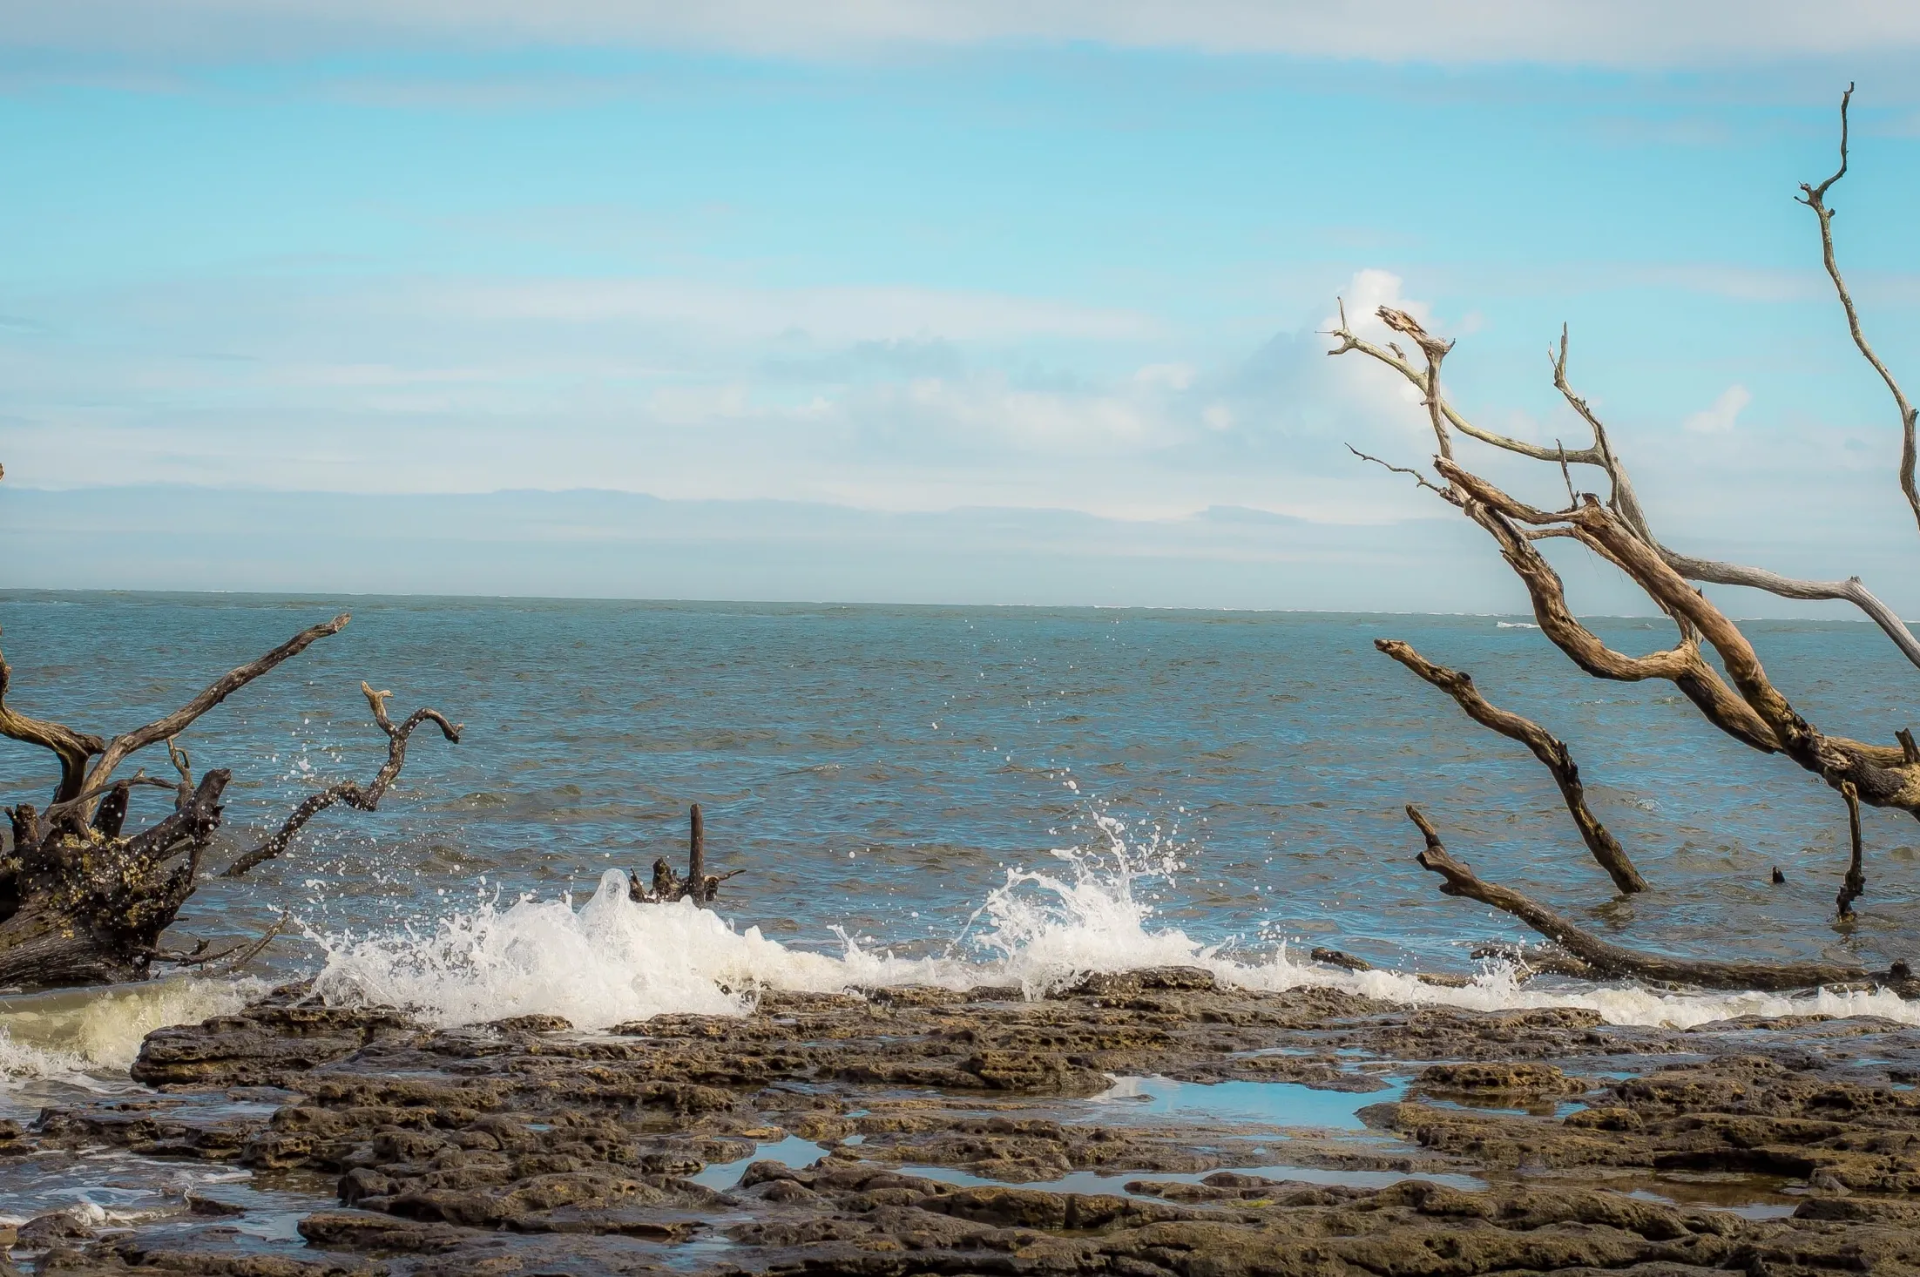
[930, 1131]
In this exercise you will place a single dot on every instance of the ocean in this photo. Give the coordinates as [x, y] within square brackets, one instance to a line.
[940, 794]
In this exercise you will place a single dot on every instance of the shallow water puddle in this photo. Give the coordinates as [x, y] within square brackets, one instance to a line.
[1286, 1104]
[791, 1151]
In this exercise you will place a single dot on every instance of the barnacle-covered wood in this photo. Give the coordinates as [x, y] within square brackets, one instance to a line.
[666, 886]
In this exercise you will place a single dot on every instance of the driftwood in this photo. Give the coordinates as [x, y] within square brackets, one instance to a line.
[1609, 961]
[83, 901]
[352, 793]
[1548, 748]
[698, 886]
[1745, 702]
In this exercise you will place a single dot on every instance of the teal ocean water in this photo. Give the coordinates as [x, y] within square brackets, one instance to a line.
[945, 793]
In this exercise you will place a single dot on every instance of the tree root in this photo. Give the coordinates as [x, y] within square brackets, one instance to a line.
[1610, 961]
[84, 902]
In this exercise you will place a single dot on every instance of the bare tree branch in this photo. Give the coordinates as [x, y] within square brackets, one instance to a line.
[1815, 198]
[1435, 350]
[352, 793]
[226, 685]
[1759, 714]
[1546, 747]
[1852, 590]
[1398, 362]
[72, 748]
[1626, 503]
[199, 957]
[1415, 475]
[1611, 961]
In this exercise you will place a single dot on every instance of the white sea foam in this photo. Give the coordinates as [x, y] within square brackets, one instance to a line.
[72, 1034]
[612, 960]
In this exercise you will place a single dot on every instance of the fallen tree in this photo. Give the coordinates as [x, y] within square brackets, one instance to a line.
[1745, 703]
[83, 901]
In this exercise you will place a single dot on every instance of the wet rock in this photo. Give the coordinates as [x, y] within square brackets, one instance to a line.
[44, 1230]
[1480, 1078]
[122, 1258]
[381, 1234]
[525, 1025]
[527, 1146]
[1124, 984]
[266, 1044]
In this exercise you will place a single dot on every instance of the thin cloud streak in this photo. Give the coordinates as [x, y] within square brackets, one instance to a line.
[1624, 34]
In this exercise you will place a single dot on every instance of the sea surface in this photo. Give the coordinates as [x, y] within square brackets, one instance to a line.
[948, 794]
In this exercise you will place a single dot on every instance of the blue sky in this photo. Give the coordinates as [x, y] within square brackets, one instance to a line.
[920, 257]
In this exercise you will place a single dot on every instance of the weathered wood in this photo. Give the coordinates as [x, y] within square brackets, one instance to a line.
[1546, 747]
[698, 886]
[85, 901]
[696, 855]
[1744, 701]
[1855, 884]
[1611, 961]
[352, 793]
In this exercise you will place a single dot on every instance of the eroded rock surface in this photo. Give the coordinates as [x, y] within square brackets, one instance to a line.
[923, 1131]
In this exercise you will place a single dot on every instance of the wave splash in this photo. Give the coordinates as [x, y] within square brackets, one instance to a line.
[81, 1036]
[611, 960]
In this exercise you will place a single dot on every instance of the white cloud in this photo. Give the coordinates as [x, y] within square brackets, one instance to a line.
[1621, 33]
[1719, 417]
[1369, 387]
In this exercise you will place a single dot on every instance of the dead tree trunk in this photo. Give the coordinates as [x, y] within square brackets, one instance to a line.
[1745, 702]
[698, 886]
[82, 902]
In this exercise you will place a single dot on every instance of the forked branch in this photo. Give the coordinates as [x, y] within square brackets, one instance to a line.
[1622, 499]
[1546, 747]
[352, 793]
[72, 748]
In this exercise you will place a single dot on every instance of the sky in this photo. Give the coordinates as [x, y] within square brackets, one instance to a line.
[948, 263]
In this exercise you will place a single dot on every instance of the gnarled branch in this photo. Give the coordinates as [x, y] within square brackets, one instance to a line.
[1624, 501]
[1546, 747]
[72, 748]
[352, 793]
